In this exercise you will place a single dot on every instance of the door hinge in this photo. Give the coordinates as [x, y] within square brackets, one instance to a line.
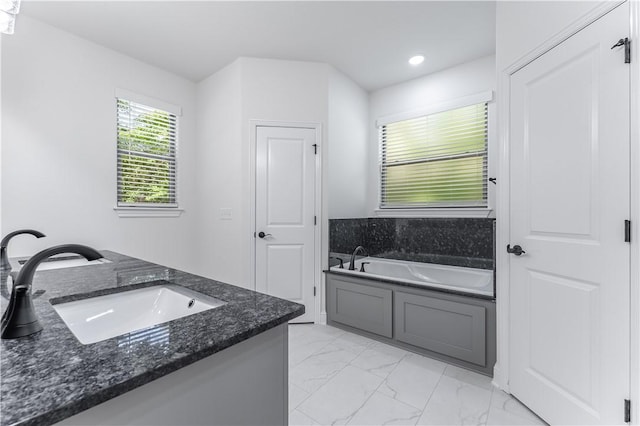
[627, 48]
[627, 51]
[315, 220]
[315, 148]
[627, 231]
[314, 291]
[627, 411]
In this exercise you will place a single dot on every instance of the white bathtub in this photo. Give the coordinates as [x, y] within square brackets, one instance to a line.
[452, 278]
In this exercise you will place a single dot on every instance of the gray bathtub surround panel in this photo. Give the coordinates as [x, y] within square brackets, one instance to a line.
[368, 308]
[449, 241]
[444, 326]
[51, 376]
[457, 329]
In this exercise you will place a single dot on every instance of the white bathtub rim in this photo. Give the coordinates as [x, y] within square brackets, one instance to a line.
[487, 291]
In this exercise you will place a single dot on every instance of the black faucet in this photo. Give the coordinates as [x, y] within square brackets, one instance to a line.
[20, 318]
[353, 257]
[5, 277]
[4, 258]
[339, 259]
[10, 276]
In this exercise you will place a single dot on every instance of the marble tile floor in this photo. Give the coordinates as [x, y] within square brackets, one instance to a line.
[341, 378]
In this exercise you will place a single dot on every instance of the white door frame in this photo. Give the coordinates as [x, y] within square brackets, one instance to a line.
[635, 213]
[317, 260]
[501, 369]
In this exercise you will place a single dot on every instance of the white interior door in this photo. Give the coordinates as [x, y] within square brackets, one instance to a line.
[285, 215]
[569, 307]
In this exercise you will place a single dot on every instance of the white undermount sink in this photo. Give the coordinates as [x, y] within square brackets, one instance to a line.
[103, 317]
[60, 262]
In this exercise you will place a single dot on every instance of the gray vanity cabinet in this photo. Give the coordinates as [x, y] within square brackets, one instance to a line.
[447, 327]
[455, 328]
[360, 306]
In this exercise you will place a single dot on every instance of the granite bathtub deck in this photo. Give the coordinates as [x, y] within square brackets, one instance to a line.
[371, 277]
[50, 376]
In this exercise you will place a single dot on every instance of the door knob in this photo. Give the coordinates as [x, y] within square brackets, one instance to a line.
[517, 250]
[262, 234]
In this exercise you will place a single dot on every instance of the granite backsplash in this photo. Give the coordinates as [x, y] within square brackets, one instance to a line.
[450, 241]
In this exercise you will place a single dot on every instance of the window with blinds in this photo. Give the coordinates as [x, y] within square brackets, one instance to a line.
[437, 160]
[146, 156]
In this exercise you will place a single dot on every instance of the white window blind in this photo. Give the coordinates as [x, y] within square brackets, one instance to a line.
[146, 156]
[437, 160]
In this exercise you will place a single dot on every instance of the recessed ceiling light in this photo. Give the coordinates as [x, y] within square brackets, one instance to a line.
[416, 60]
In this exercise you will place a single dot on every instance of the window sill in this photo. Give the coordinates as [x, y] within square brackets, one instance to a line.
[148, 211]
[481, 212]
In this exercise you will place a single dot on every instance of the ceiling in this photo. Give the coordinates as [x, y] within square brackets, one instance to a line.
[369, 41]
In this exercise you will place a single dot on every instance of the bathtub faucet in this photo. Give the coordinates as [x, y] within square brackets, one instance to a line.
[339, 259]
[358, 249]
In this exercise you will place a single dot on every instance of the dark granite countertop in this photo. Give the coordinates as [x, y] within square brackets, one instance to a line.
[50, 376]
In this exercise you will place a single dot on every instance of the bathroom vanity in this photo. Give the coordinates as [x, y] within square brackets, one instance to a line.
[226, 365]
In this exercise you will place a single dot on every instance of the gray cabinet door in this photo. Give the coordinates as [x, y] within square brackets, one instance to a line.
[443, 326]
[364, 307]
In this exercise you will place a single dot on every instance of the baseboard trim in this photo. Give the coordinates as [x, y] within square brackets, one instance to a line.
[500, 379]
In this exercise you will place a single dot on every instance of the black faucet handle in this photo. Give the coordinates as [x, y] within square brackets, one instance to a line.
[362, 266]
[339, 259]
[5, 265]
[5, 241]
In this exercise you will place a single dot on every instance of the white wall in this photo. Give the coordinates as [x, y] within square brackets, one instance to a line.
[249, 89]
[347, 156]
[522, 26]
[59, 146]
[456, 82]
[276, 90]
[219, 174]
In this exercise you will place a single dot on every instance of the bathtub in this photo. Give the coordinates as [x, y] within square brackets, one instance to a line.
[428, 275]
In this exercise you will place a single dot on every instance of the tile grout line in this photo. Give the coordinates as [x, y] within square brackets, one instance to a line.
[371, 344]
[359, 408]
[493, 391]
[384, 379]
[431, 394]
[316, 352]
[390, 372]
[393, 397]
[350, 417]
[324, 384]
[312, 393]
[300, 403]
